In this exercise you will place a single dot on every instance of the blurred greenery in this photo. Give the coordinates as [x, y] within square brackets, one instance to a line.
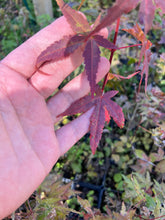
[18, 23]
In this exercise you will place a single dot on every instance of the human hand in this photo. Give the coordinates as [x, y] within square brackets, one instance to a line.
[29, 146]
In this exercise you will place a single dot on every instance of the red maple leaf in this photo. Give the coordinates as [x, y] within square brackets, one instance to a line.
[104, 108]
[137, 32]
[147, 12]
[91, 59]
[77, 21]
[60, 49]
[120, 7]
[85, 37]
[88, 39]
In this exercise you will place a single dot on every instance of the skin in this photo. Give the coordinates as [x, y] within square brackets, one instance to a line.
[29, 146]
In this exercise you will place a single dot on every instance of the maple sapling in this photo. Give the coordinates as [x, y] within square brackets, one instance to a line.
[88, 39]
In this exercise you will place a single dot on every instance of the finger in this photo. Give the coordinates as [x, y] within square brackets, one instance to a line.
[23, 59]
[69, 134]
[27, 119]
[75, 89]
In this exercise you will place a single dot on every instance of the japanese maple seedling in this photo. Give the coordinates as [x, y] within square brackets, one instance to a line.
[88, 39]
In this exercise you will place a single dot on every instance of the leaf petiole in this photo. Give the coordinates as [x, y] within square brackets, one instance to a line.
[124, 77]
[134, 45]
[112, 52]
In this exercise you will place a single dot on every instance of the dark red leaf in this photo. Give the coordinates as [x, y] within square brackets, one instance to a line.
[81, 105]
[146, 14]
[77, 21]
[110, 94]
[75, 42]
[131, 4]
[97, 122]
[60, 49]
[103, 42]
[91, 59]
[121, 6]
[113, 108]
[97, 22]
[98, 91]
[137, 32]
[104, 109]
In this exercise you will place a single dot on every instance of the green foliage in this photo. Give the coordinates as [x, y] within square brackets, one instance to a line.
[51, 201]
[141, 192]
[17, 24]
[13, 31]
[75, 157]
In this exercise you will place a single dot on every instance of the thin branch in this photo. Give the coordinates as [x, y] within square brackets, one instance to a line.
[134, 45]
[112, 52]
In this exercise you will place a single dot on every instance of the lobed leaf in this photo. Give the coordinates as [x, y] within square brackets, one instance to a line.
[97, 22]
[97, 122]
[77, 21]
[103, 42]
[137, 32]
[81, 105]
[146, 14]
[104, 109]
[131, 4]
[113, 108]
[91, 59]
[60, 49]
[110, 94]
[121, 6]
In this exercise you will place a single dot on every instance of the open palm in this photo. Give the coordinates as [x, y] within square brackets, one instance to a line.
[29, 146]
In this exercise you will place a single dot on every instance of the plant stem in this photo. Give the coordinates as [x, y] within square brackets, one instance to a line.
[82, 2]
[112, 52]
[134, 45]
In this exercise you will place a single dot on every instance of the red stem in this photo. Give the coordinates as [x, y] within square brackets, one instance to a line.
[134, 45]
[117, 30]
[112, 52]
